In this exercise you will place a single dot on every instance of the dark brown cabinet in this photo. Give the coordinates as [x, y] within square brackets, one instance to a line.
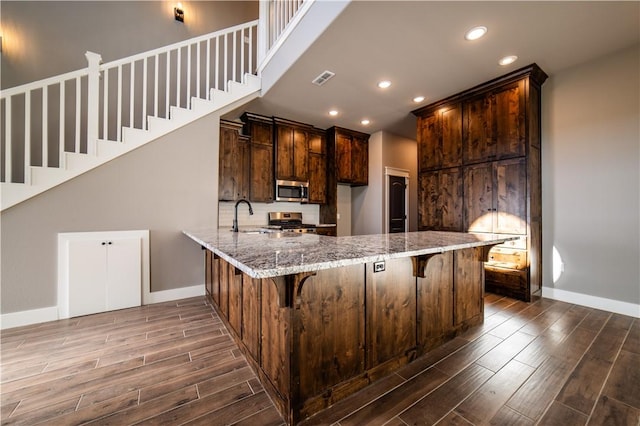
[260, 131]
[234, 162]
[479, 171]
[351, 156]
[496, 194]
[291, 150]
[443, 192]
[317, 167]
[494, 125]
[440, 138]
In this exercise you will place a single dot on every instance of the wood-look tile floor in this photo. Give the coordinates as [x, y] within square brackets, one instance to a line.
[547, 363]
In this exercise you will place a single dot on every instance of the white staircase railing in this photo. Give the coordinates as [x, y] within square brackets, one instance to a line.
[45, 120]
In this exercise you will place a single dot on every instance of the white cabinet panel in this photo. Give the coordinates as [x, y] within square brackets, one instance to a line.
[124, 271]
[101, 271]
[87, 277]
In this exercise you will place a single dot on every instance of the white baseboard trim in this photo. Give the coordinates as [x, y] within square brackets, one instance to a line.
[610, 305]
[173, 294]
[37, 316]
[33, 316]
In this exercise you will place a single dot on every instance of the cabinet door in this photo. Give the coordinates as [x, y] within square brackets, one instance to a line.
[441, 200]
[511, 195]
[243, 171]
[509, 117]
[451, 125]
[360, 161]
[300, 155]
[262, 173]
[343, 158]
[440, 139]
[87, 277]
[124, 273]
[478, 194]
[478, 141]
[317, 178]
[228, 183]
[428, 194]
[450, 199]
[284, 153]
[428, 143]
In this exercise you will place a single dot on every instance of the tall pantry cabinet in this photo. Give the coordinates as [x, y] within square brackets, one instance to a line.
[479, 171]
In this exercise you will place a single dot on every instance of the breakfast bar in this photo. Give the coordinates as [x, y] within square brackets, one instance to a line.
[320, 318]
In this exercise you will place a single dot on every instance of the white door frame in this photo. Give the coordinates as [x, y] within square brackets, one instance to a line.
[392, 171]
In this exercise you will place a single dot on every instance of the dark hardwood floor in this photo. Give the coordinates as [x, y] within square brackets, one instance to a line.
[547, 363]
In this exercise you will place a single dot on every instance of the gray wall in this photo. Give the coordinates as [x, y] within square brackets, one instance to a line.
[165, 186]
[46, 38]
[368, 202]
[591, 181]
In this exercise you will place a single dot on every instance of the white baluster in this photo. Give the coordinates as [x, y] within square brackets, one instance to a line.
[144, 94]
[119, 106]
[105, 112]
[7, 141]
[27, 137]
[62, 120]
[78, 112]
[45, 128]
[132, 78]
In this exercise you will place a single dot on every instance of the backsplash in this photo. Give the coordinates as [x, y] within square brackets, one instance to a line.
[310, 213]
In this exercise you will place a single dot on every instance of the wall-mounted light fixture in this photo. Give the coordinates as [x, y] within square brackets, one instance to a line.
[178, 12]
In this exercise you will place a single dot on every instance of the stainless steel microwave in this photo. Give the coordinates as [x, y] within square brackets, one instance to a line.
[289, 190]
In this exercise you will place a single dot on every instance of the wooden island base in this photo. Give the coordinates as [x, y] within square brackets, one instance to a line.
[315, 338]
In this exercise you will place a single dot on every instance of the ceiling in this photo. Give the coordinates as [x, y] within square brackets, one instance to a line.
[420, 47]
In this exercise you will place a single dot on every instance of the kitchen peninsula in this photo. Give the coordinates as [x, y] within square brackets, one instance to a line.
[319, 318]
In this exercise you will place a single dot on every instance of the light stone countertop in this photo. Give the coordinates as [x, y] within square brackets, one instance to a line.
[277, 254]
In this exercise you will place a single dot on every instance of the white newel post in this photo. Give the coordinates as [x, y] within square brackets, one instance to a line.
[93, 99]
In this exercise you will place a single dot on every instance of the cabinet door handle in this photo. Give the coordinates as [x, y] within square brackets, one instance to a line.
[104, 243]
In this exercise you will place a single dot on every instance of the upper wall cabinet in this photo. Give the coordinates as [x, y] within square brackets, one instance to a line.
[440, 138]
[317, 167]
[351, 155]
[292, 148]
[494, 124]
[479, 171]
[260, 131]
[234, 179]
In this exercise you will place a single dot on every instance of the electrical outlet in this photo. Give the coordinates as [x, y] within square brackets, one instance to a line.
[378, 266]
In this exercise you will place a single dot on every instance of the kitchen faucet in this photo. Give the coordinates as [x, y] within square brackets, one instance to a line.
[235, 213]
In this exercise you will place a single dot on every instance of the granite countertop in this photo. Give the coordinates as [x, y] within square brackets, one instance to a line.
[284, 253]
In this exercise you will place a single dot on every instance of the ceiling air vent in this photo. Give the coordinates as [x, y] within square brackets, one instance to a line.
[323, 78]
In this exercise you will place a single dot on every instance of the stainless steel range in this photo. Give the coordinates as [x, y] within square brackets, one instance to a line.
[289, 222]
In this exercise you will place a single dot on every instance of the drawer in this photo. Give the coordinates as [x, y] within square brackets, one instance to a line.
[508, 258]
[510, 278]
[521, 243]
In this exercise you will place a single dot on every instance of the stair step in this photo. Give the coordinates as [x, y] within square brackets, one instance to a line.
[180, 115]
[202, 105]
[133, 137]
[49, 176]
[159, 125]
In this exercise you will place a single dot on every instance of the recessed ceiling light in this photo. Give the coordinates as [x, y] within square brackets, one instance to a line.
[507, 60]
[333, 112]
[384, 84]
[365, 122]
[475, 33]
[418, 99]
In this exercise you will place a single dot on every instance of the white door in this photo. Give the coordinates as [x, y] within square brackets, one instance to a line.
[87, 277]
[124, 273]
